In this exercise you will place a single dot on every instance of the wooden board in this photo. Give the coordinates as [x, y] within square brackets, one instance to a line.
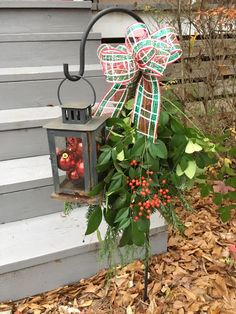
[200, 47]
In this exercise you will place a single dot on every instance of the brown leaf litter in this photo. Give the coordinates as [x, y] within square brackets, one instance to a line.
[194, 276]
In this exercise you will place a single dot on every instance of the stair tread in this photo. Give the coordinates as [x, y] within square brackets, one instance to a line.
[27, 117]
[46, 4]
[42, 239]
[45, 72]
[25, 173]
[39, 239]
[53, 36]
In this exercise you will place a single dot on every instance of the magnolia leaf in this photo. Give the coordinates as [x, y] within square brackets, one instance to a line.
[191, 169]
[192, 147]
[179, 171]
[94, 220]
[130, 103]
[137, 235]
[122, 213]
[124, 223]
[120, 156]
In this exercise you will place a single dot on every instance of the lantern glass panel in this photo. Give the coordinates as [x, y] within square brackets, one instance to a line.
[70, 163]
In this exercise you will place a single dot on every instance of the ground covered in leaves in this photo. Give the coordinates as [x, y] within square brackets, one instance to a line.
[196, 275]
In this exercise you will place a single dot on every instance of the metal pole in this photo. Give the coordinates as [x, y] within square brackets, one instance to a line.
[146, 268]
[85, 36]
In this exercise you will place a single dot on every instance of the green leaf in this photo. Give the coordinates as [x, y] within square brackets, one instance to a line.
[132, 172]
[104, 158]
[143, 225]
[126, 238]
[152, 162]
[217, 199]
[121, 201]
[137, 235]
[121, 156]
[124, 223]
[114, 154]
[138, 147]
[225, 212]
[114, 121]
[122, 213]
[158, 149]
[231, 182]
[129, 104]
[164, 118]
[179, 171]
[192, 147]
[232, 195]
[184, 163]
[97, 189]
[94, 220]
[200, 161]
[115, 183]
[191, 169]
[205, 190]
[232, 151]
[176, 127]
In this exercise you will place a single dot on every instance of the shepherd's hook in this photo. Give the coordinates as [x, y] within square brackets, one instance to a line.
[85, 36]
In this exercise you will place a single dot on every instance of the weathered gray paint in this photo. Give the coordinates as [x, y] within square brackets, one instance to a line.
[26, 4]
[43, 92]
[26, 204]
[43, 53]
[25, 173]
[43, 277]
[67, 36]
[53, 245]
[44, 20]
[44, 72]
[23, 143]
[23, 118]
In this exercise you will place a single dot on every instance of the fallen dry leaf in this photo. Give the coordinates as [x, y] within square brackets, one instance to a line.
[192, 277]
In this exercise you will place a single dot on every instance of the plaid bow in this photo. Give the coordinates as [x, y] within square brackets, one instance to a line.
[134, 69]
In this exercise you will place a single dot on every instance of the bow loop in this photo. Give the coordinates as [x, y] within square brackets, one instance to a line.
[136, 67]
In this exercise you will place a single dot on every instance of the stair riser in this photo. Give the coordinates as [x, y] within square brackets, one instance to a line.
[28, 204]
[43, 20]
[24, 54]
[42, 93]
[60, 272]
[23, 143]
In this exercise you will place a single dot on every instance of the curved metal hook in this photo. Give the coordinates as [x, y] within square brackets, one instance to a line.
[85, 36]
[77, 78]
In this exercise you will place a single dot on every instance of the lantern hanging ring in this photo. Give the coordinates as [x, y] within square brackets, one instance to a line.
[85, 36]
[77, 77]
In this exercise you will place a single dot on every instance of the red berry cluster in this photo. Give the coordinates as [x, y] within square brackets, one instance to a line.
[148, 196]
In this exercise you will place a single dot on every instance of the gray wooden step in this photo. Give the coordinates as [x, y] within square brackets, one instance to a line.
[42, 49]
[37, 86]
[43, 253]
[18, 74]
[43, 16]
[21, 132]
[25, 189]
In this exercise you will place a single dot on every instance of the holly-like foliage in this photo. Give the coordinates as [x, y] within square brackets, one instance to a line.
[139, 177]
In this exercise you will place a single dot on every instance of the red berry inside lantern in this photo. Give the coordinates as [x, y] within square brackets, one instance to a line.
[80, 168]
[73, 175]
[66, 161]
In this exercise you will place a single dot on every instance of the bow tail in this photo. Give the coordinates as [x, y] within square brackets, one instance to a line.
[147, 106]
[112, 103]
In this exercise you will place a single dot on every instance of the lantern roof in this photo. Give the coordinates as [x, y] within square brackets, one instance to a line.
[92, 125]
[76, 105]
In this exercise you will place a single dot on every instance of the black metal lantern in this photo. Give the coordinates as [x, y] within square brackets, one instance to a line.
[74, 141]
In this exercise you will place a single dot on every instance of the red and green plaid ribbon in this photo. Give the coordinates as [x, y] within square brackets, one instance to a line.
[135, 68]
